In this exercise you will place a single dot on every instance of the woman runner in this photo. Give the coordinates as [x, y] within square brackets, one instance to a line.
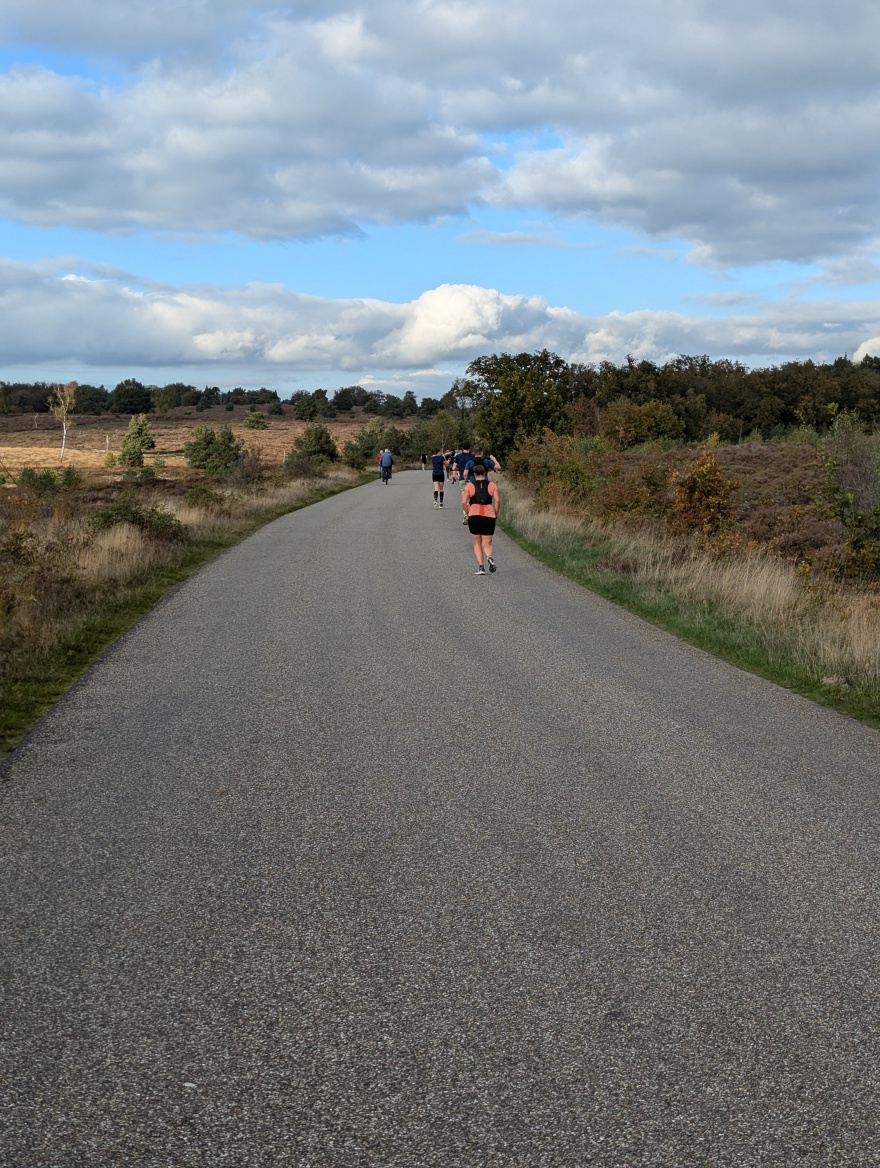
[482, 503]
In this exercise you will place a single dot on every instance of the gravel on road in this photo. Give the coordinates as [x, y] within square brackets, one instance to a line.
[346, 857]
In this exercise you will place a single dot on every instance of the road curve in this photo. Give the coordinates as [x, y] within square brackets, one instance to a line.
[344, 857]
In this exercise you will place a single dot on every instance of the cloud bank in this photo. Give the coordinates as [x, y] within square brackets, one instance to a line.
[49, 314]
[750, 130]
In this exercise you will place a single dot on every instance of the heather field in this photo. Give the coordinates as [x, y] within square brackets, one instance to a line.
[761, 552]
[35, 439]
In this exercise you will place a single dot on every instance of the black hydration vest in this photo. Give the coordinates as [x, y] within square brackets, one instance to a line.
[481, 496]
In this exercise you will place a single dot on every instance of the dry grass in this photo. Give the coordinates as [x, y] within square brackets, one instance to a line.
[821, 630]
[21, 444]
[121, 554]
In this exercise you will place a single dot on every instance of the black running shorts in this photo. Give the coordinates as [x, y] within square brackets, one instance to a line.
[437, 478]
[481, 525]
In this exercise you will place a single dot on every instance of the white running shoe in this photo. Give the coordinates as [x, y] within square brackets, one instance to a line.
[436, 505]
[481, 571]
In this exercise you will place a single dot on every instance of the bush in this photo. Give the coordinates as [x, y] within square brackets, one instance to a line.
[250, 468]
[45, 483]
[255, 421]
[42, 483]
[353, 456]
[276, 409]
[155, 522]
[137, 438]
[215, 451]
[304, 410]
[298, 466]
[110, 460]
[702, 495]
[317, 442]
[203, 495]
[863, 541]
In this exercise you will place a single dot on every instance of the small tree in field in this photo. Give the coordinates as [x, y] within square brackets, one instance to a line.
[138, 438]
[317, 442]
[443, 430]
[702, 494]
[215, 451]
[62, 402]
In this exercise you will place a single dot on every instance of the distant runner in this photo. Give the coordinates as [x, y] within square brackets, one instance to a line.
[386, 461]
[482, 504]
[461, 458]
[424, 461]
[438, 465]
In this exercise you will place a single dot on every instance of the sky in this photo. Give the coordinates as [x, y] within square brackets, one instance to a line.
[228, 193]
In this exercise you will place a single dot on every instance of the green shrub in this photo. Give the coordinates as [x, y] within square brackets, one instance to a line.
[353, 456]
[863, 541]
[110, 460]
[203, 495]
[155, 522]
[250, 468]
[276, 409]
[298, 466]
[42, 483]
[255, 421]
[304, 409]
[137, 438]
[317, 442]
[230, 407]
[214, 450]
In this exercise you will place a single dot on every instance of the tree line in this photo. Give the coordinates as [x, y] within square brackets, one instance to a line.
[131, 396]
[511, 397]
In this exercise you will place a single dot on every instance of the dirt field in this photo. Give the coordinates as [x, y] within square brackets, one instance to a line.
[35, 440]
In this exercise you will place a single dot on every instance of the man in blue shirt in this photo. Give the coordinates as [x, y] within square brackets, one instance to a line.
[438, 465]
[461, 460]
[386, 461]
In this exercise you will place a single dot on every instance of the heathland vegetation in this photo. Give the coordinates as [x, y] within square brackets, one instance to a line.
[740, 509]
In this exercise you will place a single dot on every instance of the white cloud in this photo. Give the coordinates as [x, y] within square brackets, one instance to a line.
[512, 239]
[97, 322]
[750, 130]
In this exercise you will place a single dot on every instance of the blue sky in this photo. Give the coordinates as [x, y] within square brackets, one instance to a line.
[216, 191]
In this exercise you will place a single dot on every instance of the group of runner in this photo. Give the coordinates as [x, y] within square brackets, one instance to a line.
[480, 499]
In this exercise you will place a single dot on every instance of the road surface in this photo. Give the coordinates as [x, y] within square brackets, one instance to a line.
[343, 857]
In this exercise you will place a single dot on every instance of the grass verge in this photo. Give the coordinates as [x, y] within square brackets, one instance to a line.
[755, 614]
[47, 676]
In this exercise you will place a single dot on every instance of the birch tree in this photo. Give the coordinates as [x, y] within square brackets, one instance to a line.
[62, 402]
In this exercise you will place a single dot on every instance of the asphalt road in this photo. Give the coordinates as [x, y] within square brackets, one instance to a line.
[344, 857]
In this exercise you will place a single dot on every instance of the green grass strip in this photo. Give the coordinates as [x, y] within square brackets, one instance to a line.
[699, 622]
[27, 699]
